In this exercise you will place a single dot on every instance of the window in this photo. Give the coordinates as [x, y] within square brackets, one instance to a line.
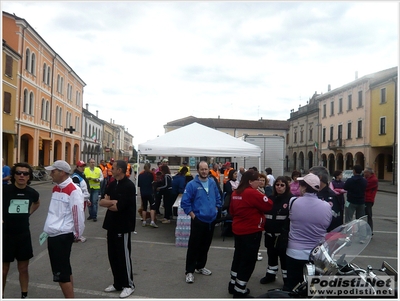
[68, 91]
[340, 105]
[301, 135]
[31, 99]
[33, 64]
[383, 95]
[27, 59]
[47, 111]
[349, 103]
[77, 127]
[349, 130]
[359, 129]
[324, 111]
[323, 134]
[43, 109]
[7, 103]
[58, 82]
[310, 135]
[44, 73]
[382, 126]
[295, 137]
[60, 116]
[331, 134]
[62, 85]
[68, 120]
[26, 101]
[78, 98]
[360, 99]
[48, 75]
[340, 131]
[9, 66]
[332, 108]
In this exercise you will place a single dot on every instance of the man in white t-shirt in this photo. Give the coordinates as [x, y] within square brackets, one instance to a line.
[271, 178]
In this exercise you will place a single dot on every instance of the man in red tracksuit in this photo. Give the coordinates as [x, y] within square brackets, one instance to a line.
[370, 193]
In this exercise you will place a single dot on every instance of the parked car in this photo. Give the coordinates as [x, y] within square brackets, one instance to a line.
[348, 173]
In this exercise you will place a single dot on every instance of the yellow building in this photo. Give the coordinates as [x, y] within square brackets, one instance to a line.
[383, 126]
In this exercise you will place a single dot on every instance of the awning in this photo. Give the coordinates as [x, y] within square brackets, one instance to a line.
[46, 138]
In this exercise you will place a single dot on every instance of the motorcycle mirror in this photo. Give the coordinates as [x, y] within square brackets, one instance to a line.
[388, 269]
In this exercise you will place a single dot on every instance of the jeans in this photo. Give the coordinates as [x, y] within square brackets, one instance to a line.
[359, 209]
[94, 199]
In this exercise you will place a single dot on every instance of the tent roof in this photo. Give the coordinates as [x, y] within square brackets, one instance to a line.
[198, 140]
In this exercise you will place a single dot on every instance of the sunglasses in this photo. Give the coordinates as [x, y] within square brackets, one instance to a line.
[281, 185]
[25, 173]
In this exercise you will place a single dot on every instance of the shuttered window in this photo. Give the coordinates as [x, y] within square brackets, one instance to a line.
[9, 66]
[7, 103]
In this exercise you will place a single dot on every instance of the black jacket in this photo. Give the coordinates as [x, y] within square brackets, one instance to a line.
[275, 218]
[355, 187]
[330, 196]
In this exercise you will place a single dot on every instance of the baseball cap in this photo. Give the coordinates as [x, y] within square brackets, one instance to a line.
[112, 160]
[165, 160]
[227, 163]
[312, 180]
[80, 163]
[184, 162]
[60, 165]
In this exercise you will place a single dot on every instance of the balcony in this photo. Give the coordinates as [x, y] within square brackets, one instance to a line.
[336, 144]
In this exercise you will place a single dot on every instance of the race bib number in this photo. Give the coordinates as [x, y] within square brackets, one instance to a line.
[19, 207]
[43, 237]
[347, 204]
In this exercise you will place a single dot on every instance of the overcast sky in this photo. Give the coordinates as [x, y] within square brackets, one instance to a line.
[149, 63]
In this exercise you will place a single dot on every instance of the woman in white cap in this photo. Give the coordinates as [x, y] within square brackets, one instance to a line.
[309, 218]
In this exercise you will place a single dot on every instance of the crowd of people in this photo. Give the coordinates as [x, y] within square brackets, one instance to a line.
[257, 204]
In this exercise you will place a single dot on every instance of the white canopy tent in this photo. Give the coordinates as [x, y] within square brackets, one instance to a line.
[198, 140]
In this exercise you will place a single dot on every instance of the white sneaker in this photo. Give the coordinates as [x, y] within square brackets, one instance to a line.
[144, 224]
[203, 271]
[82, 239]
[189, 278]
[110, 288]
[154, 225]
[127, 291]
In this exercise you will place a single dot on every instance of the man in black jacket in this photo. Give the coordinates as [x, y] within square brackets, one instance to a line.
[355, 187]
[327, 194]
[120, 199]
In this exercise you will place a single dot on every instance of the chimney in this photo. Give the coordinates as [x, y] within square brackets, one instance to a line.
[97, 113]
[110, 120]
[329, 88]
[87, 107]
[218, 116]
[356, 75]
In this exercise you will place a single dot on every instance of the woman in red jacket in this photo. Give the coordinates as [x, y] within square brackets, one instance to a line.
[247, 209]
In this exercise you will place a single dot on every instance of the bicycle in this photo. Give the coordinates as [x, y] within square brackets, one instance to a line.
[40, 175]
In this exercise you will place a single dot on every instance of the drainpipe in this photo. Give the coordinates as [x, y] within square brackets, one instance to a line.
[20, 100]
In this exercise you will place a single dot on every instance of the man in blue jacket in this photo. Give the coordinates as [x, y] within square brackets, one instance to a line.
[355, 187]
[201, 200]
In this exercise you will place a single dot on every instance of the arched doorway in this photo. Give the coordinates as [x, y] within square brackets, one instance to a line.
[349, 161]
[331, 163]
[339, 161]
[380, 166]
[57, 150]
[324, 160]
[26, 149]
[294, 161]
[301, 162]
[310, 159]
[359, 159]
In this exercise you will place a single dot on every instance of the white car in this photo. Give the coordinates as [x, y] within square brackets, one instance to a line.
[348, 173]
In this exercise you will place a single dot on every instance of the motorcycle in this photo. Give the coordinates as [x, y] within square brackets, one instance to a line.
[330, 265]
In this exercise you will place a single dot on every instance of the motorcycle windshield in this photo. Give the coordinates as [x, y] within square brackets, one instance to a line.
[340, 246]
